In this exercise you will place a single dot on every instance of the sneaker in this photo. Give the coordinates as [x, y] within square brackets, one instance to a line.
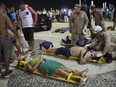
[7, 73]
[66, 42]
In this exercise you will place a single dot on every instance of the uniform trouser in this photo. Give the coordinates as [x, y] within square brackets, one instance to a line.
[100, 47]
[76, 36]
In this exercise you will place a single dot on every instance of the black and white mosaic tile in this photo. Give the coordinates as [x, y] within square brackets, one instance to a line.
[24, 79]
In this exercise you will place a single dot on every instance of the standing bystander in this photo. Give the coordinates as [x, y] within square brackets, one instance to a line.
[5, 41]
[27, 19]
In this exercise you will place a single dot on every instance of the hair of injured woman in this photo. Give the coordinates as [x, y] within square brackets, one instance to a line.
[26, 64]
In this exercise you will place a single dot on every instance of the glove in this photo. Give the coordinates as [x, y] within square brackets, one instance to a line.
[99, 54]
[85, 30]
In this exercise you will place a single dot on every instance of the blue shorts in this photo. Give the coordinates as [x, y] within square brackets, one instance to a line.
[6, 47]
[63, 51]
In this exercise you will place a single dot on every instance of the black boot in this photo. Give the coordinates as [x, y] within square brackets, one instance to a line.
[108, 58]
[67, 38]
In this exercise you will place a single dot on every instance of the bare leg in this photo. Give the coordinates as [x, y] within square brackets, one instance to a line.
[84, 73]
[30, 48]
[65, 74]
[18, 47]
[31, 45]
[78, 73]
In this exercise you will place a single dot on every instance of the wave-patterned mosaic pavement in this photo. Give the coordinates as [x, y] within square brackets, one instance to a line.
[23, 79]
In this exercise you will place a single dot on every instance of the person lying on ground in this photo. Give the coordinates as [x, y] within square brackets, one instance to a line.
[51, 67]
[104, 42]
[77, 51]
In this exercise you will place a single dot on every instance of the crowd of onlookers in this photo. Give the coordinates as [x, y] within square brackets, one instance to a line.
[64, 14]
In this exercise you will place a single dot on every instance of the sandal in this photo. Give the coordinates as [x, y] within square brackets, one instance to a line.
[85, 73]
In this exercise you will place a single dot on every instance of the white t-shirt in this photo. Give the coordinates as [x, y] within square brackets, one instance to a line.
[26, 17]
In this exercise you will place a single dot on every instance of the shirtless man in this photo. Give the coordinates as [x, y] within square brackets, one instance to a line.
[83, 54]
[5, 41]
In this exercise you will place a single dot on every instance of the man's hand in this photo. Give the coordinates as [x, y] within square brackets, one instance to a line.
[85, 30]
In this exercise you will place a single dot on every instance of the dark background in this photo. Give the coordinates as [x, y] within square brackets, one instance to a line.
[47, 4]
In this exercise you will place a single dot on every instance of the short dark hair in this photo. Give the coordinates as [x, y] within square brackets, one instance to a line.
[21, 2]
[2, 6]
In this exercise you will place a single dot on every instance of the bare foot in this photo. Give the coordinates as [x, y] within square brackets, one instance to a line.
[85, 73]
[80, 80]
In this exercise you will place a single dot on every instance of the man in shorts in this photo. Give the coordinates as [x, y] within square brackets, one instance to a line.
[77, 51]
[5, 41]
[27, 18]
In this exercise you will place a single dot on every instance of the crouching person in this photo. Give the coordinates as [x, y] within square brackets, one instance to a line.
[103, 42]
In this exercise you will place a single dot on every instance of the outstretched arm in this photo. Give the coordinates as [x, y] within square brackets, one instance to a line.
[53, 50]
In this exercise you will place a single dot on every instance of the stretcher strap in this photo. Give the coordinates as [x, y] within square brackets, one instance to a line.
[23, 63]
[70, 74]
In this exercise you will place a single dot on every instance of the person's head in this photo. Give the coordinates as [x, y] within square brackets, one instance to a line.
[77, 8]
[97, 29]
[2, 8]
[91, 54]
[92, 7]
[12, 9]
[21, 5]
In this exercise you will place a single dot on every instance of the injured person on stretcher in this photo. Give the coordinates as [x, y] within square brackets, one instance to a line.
[83, 54]
[51, 67]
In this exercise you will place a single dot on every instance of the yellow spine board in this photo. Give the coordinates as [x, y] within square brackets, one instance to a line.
[56, 77]
[100, 61]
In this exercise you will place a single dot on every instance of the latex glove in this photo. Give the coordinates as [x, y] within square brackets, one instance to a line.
[99, 54]
[85, 30]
